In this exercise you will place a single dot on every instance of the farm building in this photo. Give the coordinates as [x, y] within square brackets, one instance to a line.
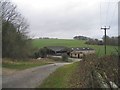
[75, 52]
[80, 52]
[57, 50]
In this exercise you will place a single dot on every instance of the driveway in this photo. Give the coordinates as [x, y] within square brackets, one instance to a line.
[29, 78]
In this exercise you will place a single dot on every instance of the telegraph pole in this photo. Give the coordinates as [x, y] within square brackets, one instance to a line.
[105, 28]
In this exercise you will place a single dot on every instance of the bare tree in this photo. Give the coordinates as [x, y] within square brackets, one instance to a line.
[14, 31]
[10, 14]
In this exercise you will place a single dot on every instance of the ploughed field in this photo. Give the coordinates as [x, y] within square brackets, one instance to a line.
[39, 43]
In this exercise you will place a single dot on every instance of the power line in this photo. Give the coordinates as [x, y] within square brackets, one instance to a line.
[107, 9]
[109, 17]
[100, 14]
[114, 11]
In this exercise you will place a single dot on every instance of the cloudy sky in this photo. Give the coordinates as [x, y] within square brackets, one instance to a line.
[67, 18]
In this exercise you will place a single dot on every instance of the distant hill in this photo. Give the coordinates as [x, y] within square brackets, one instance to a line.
[81, 38]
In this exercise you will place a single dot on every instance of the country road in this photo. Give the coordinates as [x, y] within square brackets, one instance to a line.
[29, 78]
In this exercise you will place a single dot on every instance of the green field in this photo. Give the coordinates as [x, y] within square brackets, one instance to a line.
[39, 43]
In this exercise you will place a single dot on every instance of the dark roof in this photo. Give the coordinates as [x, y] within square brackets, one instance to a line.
[56, 48]
[63, 48]
[81, 48]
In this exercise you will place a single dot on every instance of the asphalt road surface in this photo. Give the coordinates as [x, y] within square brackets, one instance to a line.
[29, 78]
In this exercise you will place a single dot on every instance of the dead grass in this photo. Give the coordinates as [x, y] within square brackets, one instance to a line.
[24, 64]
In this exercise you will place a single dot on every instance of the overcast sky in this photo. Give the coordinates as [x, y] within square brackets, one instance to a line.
[67, 18]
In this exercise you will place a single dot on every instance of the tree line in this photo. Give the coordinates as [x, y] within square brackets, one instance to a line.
[109, 41]
[81, 38]
[15, 42]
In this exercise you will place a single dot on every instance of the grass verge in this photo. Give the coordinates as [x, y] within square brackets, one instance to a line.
[24, 64]
[60, 78]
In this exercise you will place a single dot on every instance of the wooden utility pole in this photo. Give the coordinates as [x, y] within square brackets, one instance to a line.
[105, 28]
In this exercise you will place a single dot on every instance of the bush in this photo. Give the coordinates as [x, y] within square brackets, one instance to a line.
[43, 52]
[83, 77]
[36, 55]
[65, 57]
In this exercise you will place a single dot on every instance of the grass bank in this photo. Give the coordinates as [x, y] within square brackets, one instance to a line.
[60, 78]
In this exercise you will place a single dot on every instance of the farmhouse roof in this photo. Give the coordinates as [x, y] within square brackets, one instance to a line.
[81, 48]
[56, 48]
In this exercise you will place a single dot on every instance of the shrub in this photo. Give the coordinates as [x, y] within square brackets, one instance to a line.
[36, 55]
[43, 52]
[65, 57]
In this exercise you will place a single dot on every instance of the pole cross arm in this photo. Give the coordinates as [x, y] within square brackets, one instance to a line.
[105, 27]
